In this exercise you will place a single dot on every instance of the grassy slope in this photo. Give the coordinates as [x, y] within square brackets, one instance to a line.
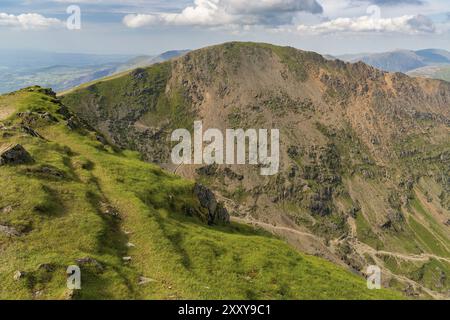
[62, 220]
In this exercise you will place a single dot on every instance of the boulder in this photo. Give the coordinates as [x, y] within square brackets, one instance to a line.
[109, 210]
[19, 275]
[46, 171]
[90, 262]
[30, 118]
[209, 170]
[7, 209]
[144, 280]
[232, 175]
[30, 131]
[65, 112]
[14, 154]
[9, 231]
[47, 267]
[73, 123]
[216, 211]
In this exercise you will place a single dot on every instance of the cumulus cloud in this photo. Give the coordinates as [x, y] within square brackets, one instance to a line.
[28, 21]
[228, 12]
[407, 24]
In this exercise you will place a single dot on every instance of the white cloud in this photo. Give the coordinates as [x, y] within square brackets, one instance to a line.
[284, 15]
[228, 12]
[28, 21]
[407, 24]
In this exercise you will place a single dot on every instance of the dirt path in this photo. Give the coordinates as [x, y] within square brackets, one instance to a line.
[361, 248]
[300, 240]
[271, 227]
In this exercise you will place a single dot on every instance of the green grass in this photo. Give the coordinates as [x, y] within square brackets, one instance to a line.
[365, 233]
[62, 220]
[427, 239]
[133, 93]
[433, 274]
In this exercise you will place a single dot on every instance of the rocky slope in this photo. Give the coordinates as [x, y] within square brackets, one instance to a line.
[364, 154]
[68, 198]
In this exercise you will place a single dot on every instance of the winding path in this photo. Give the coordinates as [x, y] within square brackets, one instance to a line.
[361, 248]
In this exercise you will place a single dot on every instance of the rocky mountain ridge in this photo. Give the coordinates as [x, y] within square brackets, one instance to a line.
[364, 153]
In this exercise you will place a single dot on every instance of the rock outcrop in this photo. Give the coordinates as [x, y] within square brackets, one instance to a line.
[14, 154]
[9, 231]
[216, 211]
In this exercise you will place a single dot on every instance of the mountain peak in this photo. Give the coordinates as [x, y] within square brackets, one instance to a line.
[362, 151]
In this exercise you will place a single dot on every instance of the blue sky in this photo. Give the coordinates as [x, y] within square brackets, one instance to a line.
[153, 26]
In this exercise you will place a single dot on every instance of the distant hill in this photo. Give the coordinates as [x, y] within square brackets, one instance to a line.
[434, 72]
[145, 61]
[402, 60]
[62, 71]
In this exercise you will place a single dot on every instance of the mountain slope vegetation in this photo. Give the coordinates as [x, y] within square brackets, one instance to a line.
[364, 176]
[137, 232]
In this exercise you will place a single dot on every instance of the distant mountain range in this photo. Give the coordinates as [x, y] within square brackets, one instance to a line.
[62, 71]
[431, 63]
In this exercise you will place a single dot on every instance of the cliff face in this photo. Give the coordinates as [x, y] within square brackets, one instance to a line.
[364, 174]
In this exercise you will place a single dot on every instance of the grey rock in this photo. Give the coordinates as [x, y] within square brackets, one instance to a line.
[144, 280]
[47, 171]
[19, 275]
[109, 210]
[101, 139]
[7, 209]
[232, 175]
[65, 112]
[9, 231]
[216, 211]
[37, 294]
[89, 261]
[73, 123]
[47, 267]
[30, 118]
[209, 170]
[14, 154]
[30, 131]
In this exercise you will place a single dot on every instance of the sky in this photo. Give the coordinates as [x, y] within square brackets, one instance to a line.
[153, 26]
